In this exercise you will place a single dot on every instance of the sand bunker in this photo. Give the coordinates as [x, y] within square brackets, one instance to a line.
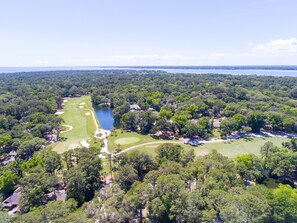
[65, 100]
[69, 128]
[59, 113]
[88, 113]
[85, 144]
[83, 103]
[81, 106]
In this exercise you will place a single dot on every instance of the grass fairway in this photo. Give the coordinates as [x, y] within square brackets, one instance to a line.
[76, 114]
[230, 149]
[238, 147]
[123, 140]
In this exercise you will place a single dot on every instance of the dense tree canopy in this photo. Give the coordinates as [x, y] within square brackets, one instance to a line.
[174, 185]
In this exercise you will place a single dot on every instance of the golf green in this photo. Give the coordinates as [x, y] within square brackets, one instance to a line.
[127, 140]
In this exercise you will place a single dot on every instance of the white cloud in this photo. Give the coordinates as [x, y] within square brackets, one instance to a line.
[280, 46]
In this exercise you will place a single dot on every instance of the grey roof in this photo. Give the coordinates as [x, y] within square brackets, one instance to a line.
[8, 160]
[57, 195]
[12, 153]
[13, 200]
[60, 195]
[135, 107]
[216, 123]
[14, 210]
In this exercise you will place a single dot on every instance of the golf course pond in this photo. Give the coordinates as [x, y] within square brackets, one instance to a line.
[104, 116]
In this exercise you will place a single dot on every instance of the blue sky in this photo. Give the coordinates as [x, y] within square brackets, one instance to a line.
[147, 32]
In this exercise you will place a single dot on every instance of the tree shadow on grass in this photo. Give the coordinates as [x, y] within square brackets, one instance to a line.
[248, 139]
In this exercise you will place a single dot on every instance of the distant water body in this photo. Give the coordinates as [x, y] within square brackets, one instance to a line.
[234, 70]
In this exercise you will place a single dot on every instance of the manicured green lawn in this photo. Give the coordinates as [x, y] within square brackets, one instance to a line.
[237, 147]
[122, 140]
[127, 140]
[230, 149]
[76, 114]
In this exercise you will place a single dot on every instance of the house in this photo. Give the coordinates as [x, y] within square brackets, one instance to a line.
[12, 153]
[151, 109]
[134, 107]
[12, 202]
[10, 158]
[216, 123]
[57, 195]
[163, 135]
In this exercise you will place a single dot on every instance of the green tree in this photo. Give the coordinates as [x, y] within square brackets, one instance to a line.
[34, 187]
[170, 152]
[141, 162]
[75, 180]
[249, 166]
[169, 191]
[5, 140]
[126, 176]
[289, 125]
[147, 120]
[8, 180]
[51, 161]
[27, 148]
[227, 126]
[130, 121]
[242, 206]
[266, 150]
[284, 204]
[256, 120]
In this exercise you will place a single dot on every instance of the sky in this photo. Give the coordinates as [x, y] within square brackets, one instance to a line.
[147, 32]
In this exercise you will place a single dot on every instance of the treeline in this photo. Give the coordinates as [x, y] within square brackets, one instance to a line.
[185, 104]
[242, 103]
[176, 186]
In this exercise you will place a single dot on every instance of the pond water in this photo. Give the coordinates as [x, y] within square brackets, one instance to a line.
[104, 116]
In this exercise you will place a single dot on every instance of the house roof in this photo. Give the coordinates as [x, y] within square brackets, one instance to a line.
[60, 195]
[8, 160]
[13, 200]
[57, 195]
[12, 153]
[135, 107]
[216, 123]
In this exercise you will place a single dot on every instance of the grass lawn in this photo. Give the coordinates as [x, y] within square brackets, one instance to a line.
[123, 140]
[238, 147]
[77, 114]
[230, 149]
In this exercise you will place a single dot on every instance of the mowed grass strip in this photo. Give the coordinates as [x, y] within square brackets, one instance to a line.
[76, 114]
[230, 149]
